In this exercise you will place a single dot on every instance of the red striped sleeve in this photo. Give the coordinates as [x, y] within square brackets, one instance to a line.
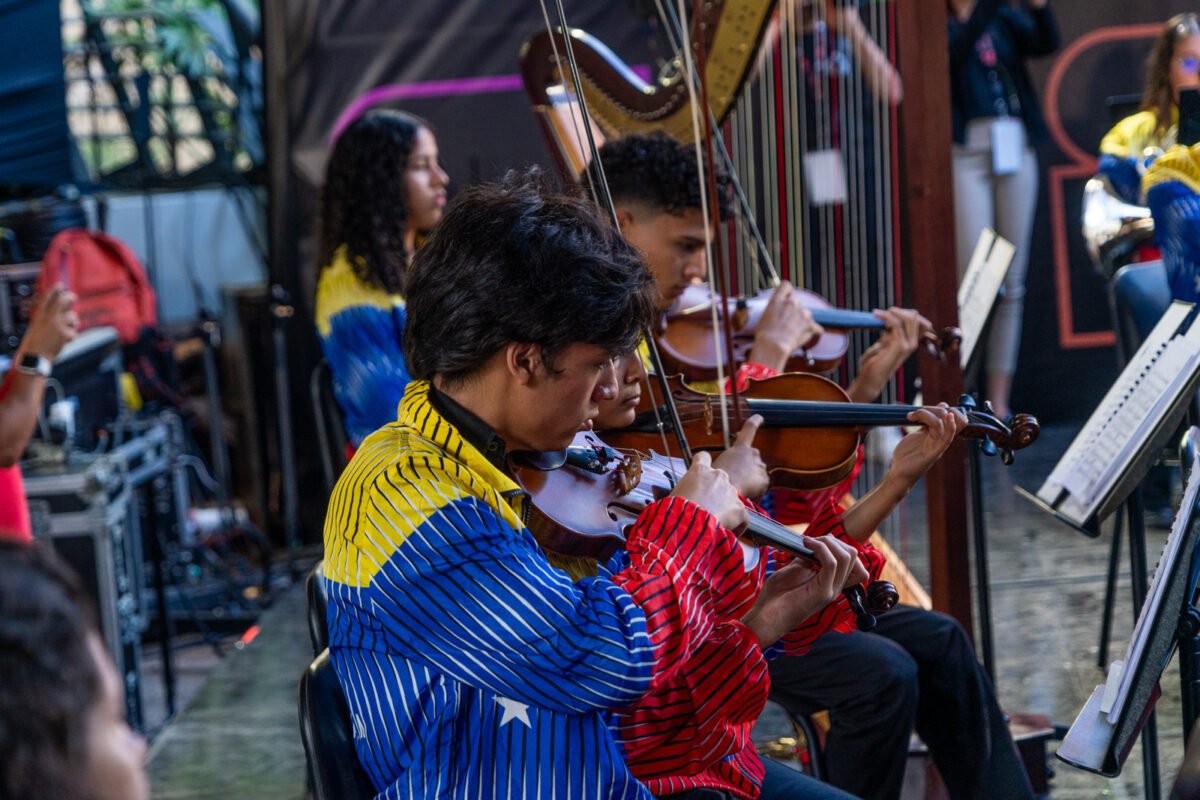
[836, 616]
[748, 372]
[741, 776]
[685, 572]
[700, 714]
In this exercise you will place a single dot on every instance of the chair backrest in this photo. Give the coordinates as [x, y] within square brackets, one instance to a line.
[328, 736]
[331, 430]
[318, 605]
[1141, 295]
[1188, 448]
[1121, 106]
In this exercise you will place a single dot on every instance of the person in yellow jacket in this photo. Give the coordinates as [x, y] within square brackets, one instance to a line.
[1138, 139]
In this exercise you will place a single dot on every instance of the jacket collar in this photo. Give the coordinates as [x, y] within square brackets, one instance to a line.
[419, 412]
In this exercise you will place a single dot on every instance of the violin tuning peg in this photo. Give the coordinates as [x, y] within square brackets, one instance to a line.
[966, 401]
[988, 447]
[1006, 457]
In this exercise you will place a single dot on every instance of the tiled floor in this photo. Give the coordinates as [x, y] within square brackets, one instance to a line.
[238, 738]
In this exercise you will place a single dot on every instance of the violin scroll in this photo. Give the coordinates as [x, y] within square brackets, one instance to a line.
[1025, 430]
[882, 597]
[982, 423]
[879, 598]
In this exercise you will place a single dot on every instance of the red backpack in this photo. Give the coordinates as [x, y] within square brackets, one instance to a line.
[107, 278]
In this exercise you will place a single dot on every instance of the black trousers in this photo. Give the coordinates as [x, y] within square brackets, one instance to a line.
[917, 669]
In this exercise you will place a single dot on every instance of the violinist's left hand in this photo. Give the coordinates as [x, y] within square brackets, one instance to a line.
[918, 450]
[880, 362]
[743, 463]
[796, 592]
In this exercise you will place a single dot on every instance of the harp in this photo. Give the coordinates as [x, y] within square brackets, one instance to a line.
[845, 190]
[619, 100]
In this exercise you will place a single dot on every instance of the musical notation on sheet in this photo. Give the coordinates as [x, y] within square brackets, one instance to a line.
[1148, 386]
[979, 288]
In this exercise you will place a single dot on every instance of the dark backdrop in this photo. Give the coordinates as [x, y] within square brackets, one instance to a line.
[34, 141]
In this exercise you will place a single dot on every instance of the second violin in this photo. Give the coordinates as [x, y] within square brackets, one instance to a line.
[689, 347]
[815, 429]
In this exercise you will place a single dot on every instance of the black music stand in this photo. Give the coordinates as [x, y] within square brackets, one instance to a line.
[1096, 743]
[972, 368]
[1125, 492]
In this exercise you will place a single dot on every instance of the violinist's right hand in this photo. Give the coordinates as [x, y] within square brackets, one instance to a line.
[744, 463]
[711, 489]
[796, 592]
[786, 325]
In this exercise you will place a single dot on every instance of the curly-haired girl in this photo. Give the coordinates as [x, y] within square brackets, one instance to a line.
[384, 187]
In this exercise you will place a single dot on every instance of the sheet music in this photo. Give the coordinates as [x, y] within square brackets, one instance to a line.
[1150, 609]
[980, 285]
[1132, 420]
[1125, 417]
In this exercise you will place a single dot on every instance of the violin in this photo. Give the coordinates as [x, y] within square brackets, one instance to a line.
[689, 347]
[584, 498]
[816, 430]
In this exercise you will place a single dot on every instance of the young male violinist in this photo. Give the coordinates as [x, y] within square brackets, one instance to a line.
[474, 662]
[917, 669]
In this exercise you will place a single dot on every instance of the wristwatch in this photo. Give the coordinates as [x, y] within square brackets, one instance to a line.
[33, 364]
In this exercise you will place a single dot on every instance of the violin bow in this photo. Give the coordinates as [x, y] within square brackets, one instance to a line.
[604, 199]
[694, 75]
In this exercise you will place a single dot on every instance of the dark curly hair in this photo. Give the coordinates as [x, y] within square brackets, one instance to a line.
[363, 204]
[656, 171]
[517, 261]
[1158, 96]
[49, 681]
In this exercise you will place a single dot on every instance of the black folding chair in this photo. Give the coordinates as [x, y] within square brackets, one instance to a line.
[328, 735]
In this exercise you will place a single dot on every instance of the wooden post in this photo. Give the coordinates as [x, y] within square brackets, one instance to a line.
[927, 214]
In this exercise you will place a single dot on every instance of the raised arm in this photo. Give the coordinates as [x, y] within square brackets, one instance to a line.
[963, 35]
[1036, 33]
[54, 324]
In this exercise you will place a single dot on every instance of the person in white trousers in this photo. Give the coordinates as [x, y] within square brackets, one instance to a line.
[997, 123]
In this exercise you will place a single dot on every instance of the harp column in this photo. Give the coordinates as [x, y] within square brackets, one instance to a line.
[927, 214]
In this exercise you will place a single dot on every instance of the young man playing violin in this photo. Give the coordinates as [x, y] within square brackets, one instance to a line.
[474, 661]
[655, 187]
[917, 669]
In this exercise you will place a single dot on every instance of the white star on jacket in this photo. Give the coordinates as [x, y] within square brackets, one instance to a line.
[513, 710]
